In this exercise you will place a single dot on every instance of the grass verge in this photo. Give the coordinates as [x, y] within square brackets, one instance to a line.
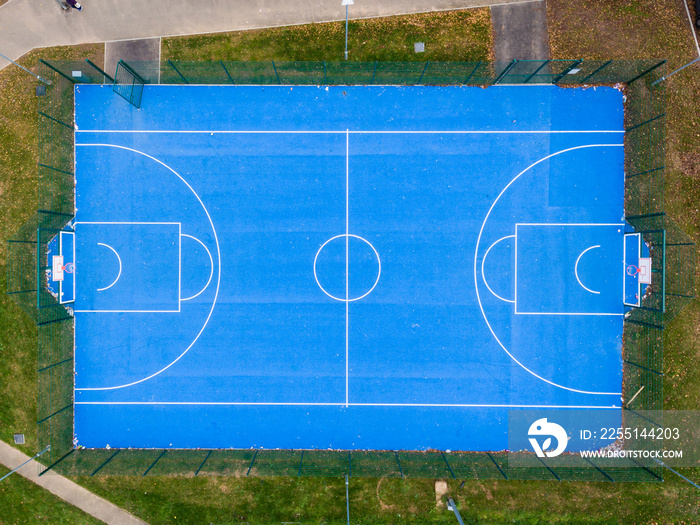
[451, 35]
[631, 29]
[21, 501]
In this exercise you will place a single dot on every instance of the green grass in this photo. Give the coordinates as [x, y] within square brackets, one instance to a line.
[587, 29]
[453, 35]
[21, 501]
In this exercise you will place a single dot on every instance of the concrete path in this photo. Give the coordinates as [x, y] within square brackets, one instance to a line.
[520, 31]
[27, 24]
[66, 489]
[144, 49]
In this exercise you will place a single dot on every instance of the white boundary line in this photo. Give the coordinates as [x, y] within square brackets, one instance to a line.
[576, 269]
[119, 274]
[624, 267]
[476, 257]
[347, 265]
[585, 224]
[179, 268]
[408, 405]
[352, 132]
[483, 275]
[218, 254]
[211, 260]
[124, 312]
[179, 225]
[121, 222]
[570, 313]
[60, 283]
[692, 26]
[624, 263]
[619, 224]
[75, 277]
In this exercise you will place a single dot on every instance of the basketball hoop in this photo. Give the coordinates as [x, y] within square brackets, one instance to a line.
[69, 268]
[632, 270]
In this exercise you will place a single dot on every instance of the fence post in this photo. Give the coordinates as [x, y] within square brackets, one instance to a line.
[596, 71]
[203, 462]
[398, 462]
[251, 462]
[154, 463]
[103, 464]
[448, 465]
[647, 71]
[52, 465]
[95, 66]
[178, 72]
[276, 74]
[478, 65]
[226, 71]
[505, 71]
[566, 71]
[424, 70]
[497, 466]
[537, 71]
[58, 71]
[598, 469]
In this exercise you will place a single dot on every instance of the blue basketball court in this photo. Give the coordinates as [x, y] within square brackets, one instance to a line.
[346, 267]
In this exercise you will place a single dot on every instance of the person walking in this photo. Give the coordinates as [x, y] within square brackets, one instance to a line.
[74, 4]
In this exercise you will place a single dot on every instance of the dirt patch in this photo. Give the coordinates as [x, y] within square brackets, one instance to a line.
[383, 505]
[440, 491]
[689, 164]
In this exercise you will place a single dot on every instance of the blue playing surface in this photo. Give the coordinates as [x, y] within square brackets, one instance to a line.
[344, 267]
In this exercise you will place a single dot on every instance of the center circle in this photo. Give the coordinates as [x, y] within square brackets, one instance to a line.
[347, 267]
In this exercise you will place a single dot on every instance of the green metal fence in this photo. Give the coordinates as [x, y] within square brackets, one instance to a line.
[672, 255]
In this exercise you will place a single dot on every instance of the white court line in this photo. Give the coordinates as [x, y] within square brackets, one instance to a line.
[218, 253]
[122, 312]
[179, 225]
[476, 256]
[379, 271]
[211, 273]
[624, 263]
[483, 260]
[74, 276]
[347, 264]
[570, 313]
[417, 405]
[621, 224]
[179, 268]
[122, 222]
[576, 269]
[119, 274]
[585, 224]
[354, 132]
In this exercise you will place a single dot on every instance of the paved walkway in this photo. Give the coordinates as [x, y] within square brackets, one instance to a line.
[520, 31]
[27, 24]
[66, 489]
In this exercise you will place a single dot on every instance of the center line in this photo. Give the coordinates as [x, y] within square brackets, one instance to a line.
[347, 255]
